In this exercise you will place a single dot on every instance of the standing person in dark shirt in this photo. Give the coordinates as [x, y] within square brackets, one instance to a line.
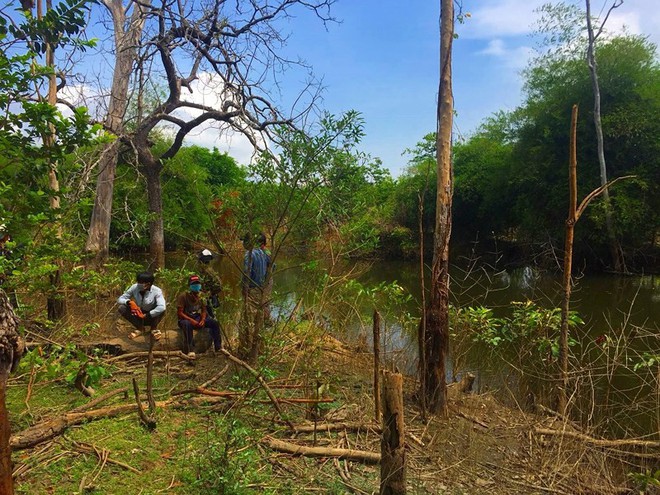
[211, 281]
[143, 304]
[192, 314]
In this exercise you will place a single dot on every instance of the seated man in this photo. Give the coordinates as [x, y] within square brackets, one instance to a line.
[191, 310]
[143, 304]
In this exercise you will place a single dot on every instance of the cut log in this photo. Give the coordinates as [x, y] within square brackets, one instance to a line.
[393, 440]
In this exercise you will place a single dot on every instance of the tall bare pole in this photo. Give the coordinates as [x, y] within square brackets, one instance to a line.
[436, 338]
[568, 264]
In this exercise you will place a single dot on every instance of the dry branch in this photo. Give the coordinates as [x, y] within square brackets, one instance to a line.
[350, 454]
[337, 427]
[91, 449]
[159, 354]
[261, 381]
[103, 398]
[214, 378]
[599, 442]
[147, 421]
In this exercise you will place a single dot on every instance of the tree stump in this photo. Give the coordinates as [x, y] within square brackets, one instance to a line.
[392, 445]
[11, 351]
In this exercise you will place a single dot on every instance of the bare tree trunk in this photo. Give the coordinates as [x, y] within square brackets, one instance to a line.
[11, 350]
[152, 168]
[436, 345]
[126, 40]
[615, 248]
[54, 303]
[393, 445]
[568, 266]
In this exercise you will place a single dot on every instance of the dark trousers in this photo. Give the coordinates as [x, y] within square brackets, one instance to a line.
[187, 328]
[139, 323]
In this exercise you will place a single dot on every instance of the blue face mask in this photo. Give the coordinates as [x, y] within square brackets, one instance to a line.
[195, 287]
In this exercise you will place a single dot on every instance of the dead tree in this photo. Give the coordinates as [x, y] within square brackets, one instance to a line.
[574, 213]
[435, 345]
[227, 48]
[615, 249]
[11, 351]
[127, 32]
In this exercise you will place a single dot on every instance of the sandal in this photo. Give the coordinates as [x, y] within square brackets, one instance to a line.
[156, 334]
[134, 334]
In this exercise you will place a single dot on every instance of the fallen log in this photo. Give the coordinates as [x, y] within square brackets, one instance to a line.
[51, 428]
[336, 427]
[159, 354]
[599, 442]
[348, 454]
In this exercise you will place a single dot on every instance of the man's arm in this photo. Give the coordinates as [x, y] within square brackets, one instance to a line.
[126, 296]
[160, 304]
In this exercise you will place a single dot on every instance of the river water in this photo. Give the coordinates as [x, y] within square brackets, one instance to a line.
[612, 307]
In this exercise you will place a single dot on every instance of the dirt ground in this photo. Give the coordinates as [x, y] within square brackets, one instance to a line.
[482, 447]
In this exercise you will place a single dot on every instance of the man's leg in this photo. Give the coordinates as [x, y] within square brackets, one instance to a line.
[214, 330]
[153, 321]
[125, 312]
[188, 342]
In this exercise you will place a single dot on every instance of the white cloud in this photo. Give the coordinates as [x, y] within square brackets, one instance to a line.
[237, 145]
[637, 17]
[206, 91]
[505, 18]
[501, 18]
[509, 57]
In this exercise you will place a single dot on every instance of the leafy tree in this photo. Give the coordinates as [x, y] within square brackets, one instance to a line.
[552, 87]
[286, 195]
[511, 175]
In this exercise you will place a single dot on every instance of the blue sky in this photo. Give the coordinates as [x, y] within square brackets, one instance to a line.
[381, 59]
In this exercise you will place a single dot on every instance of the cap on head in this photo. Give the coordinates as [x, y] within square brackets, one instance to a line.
[205, 256]
[194, 279]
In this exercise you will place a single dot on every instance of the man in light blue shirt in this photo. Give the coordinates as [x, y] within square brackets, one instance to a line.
[143, 304]
[256, 296]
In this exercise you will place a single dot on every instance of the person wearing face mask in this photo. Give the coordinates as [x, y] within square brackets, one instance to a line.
[192, 313]
[143, 304]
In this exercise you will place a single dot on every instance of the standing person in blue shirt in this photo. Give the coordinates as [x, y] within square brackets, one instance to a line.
[143, 304]
[256, 293]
